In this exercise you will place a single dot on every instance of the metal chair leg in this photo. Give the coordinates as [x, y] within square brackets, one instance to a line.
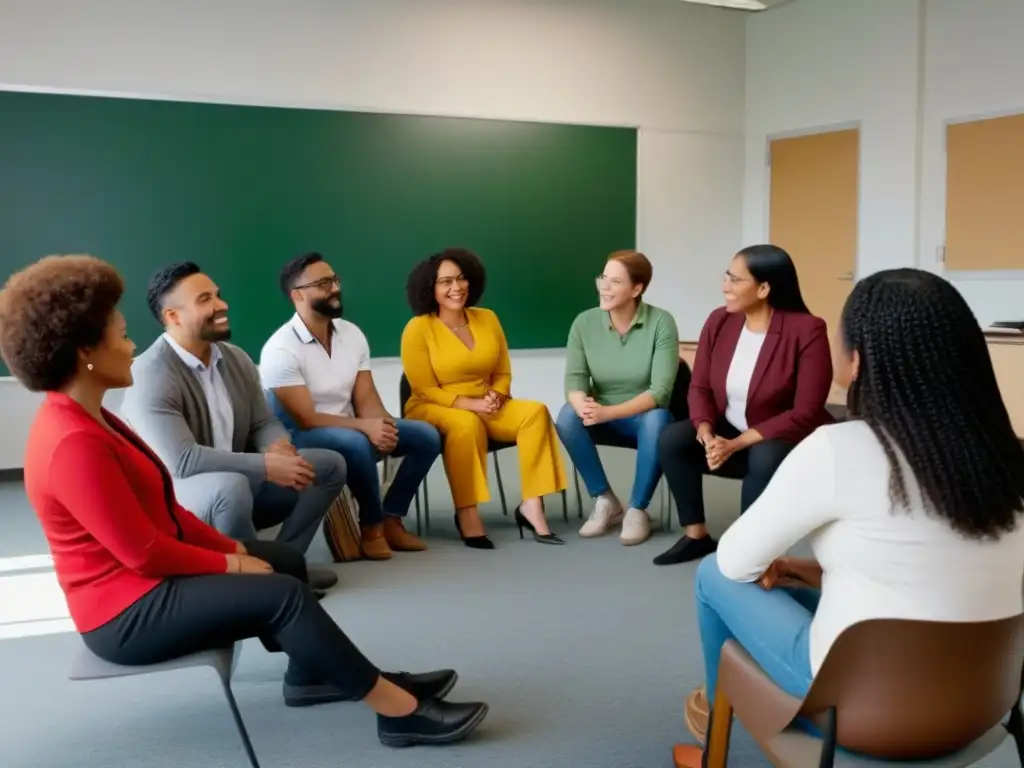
[579, 496]
[419, 526]
[426, 506]
[501, 485]
[666, 505]
[1015, 726]
[565, 506]
[242, 732]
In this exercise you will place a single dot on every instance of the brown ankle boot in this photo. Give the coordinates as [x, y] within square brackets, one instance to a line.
[698, 713]
[374, 545]
[399, 539]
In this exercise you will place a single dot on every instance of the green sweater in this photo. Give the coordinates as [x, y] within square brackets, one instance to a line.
[612, 368]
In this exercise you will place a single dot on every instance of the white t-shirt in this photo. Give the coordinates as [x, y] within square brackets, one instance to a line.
[293, 357]
[737, 381]
[902, 564]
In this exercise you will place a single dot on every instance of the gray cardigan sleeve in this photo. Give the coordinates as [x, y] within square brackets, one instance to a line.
[153, 407]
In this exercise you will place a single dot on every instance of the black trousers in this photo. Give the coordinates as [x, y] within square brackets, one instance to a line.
[186, 614]
[684, 463]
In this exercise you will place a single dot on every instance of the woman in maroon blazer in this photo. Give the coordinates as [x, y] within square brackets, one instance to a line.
[145, 580]
[760, 381]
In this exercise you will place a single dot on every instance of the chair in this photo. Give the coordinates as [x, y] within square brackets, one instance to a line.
[493, 446]
[680, 410]
[288, 422]
[87, 666]
[892, 690]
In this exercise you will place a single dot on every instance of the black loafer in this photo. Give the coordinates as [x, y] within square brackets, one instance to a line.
[687, 549]
[428, 685]
[433, 722]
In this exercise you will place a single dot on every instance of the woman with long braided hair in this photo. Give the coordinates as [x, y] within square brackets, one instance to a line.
[912, 507]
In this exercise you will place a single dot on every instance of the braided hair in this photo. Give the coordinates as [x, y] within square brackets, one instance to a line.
[926, 387]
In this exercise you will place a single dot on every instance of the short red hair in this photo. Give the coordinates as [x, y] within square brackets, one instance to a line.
[638, 267]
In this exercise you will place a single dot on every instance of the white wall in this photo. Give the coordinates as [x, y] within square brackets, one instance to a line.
[899, 70]
[975, 64]
[673, 69]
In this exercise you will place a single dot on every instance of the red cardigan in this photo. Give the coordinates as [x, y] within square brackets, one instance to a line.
[791, 381]
[107, 507]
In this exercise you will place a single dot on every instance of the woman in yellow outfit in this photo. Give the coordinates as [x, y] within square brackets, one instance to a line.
[456, 359]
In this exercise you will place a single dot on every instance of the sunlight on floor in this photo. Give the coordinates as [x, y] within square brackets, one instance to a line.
[31, 601]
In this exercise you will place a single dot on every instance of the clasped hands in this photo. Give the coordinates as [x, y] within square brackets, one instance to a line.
[592, 412]
[787, 571]
[487, 405]
[382, 432]
[716, 449]
[285, 467]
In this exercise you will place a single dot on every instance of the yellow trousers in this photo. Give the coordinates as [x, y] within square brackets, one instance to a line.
[524, 422]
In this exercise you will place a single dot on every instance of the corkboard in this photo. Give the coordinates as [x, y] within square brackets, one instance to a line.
[985, 194]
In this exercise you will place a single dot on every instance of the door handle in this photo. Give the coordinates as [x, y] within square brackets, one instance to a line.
[846, 277]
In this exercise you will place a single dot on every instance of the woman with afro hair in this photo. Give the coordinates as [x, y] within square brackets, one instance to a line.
[146, 580]
[456, 359]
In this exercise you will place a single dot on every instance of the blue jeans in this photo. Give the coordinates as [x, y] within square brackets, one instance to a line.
[641, 431]
[773, 626]
[419, 445]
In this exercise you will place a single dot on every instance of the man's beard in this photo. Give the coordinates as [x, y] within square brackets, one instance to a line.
[328, 307]
[210, 332]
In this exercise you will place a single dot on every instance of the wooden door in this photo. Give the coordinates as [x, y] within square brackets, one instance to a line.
[813, 215]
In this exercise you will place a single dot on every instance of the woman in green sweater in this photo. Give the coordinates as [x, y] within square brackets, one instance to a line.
[621, 366]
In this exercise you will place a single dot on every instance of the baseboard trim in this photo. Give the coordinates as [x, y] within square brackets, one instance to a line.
[12, 475]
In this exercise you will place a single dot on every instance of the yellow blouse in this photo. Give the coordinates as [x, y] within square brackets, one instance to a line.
[441, 368]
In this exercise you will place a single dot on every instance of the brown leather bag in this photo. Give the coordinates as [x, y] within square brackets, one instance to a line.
[341, 529]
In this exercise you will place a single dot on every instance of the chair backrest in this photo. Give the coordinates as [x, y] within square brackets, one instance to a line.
[678, 405]
[919, 689]
[404, 393]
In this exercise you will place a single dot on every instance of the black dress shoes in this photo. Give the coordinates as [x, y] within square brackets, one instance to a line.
[429, 685]
[321, 579]
[687, 549]
[433, 722]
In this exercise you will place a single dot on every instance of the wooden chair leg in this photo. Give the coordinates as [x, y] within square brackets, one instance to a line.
[716, 752]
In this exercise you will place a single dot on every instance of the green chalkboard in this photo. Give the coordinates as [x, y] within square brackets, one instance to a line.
[241, 189]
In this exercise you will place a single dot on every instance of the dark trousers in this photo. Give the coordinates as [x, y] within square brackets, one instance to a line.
[684, 463]
[186, 614]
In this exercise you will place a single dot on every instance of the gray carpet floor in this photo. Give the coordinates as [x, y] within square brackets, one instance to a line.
[585, 653]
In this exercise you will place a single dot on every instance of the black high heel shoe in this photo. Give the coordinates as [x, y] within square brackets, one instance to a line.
[547, 538]
[473, 542]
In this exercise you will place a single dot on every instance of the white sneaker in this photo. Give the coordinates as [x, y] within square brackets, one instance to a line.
[607, 513]
[636, 528]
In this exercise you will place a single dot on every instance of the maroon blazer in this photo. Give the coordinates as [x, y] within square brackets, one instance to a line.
[791, 381]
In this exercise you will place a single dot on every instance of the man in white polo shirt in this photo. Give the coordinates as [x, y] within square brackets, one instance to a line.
[317, 369]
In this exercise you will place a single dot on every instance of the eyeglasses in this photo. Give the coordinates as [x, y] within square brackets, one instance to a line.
[448, 282]
[323, 282]
[614, 282]
[733, 279]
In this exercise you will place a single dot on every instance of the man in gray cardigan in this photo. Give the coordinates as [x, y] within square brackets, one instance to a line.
[198, 402]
